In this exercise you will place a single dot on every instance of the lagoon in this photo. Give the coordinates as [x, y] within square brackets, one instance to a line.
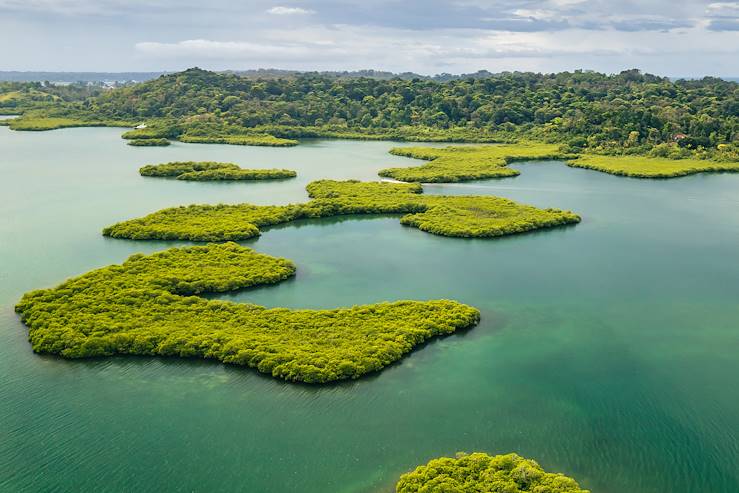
[606, 351]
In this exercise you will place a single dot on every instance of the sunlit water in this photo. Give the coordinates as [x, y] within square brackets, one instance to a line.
[607, 350]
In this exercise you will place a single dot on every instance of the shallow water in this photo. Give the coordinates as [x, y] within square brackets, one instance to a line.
[607, 350]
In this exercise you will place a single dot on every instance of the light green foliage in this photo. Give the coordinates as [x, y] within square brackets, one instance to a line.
[650, 167]
[33, 123]
[453, 164]
[482, 473]
[146, 307]
[149, 142]
[460, 216]
[213, 171]
[244, 140]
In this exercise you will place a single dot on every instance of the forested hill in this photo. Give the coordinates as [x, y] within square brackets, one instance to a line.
[629, 112]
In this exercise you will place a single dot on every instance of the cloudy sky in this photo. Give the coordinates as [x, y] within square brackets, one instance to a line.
[667, 37]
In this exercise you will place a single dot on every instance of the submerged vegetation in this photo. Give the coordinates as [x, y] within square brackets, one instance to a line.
[149, 142]
[213, 171]
[651, 167]
[460, 216]
[453, 164]
[482, 473]
[146, 306]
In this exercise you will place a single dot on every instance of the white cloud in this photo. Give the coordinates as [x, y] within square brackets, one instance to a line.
[343, 47]
[289, 11]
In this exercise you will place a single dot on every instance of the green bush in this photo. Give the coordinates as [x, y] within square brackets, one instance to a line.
[482, 473]
[213, 171]
[146, 306]
[460, 216]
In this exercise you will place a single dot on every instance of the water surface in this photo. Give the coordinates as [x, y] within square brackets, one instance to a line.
[607, 351]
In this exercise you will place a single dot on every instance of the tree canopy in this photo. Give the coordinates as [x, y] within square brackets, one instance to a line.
[454, 215]
[147, 306]
[482, 473]
[629, 113]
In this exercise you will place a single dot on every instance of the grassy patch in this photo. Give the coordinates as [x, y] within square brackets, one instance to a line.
[650, 167]
[459, 216]
[454, 164]
[482, 473]
[146, 307]
[149, 142]
[213, 171]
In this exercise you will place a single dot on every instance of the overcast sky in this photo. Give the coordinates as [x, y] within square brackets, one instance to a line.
[667, 37]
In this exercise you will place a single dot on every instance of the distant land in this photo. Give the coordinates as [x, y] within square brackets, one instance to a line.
[127, 77]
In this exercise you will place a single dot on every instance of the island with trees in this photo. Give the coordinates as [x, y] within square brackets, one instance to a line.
[149, 306]
[482, 473]
[148, 142]
[213, 171]
[626, 114]
[454, 215]
[456, 164]
[453, 164]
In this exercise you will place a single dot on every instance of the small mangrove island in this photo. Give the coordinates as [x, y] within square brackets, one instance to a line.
[149, 142]
[651, 167]
[212, 171]
[455, 164]
[148, 306]
[454, 215]
[482, 473]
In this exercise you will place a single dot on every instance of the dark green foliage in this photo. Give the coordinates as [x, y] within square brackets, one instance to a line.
[212, 171]
[454, 164]
[146, 307]
[482, 473]
[149, 142]
[628, 113]
[460, 216]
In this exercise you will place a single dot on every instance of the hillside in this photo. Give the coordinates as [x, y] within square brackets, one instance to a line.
[625, 113]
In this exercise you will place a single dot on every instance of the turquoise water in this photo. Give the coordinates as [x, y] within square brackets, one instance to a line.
[607, 351]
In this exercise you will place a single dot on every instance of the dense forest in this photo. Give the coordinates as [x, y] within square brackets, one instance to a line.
[629, 112]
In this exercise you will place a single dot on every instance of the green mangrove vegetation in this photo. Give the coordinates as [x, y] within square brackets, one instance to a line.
[198, 131]
[458, 216]
[149, 142]
[482, 473]
[147, 306]
[42, 123]
[212, 171]
[453, 164]
[651, 167]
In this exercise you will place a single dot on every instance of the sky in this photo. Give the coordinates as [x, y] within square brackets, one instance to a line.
[679, 38]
